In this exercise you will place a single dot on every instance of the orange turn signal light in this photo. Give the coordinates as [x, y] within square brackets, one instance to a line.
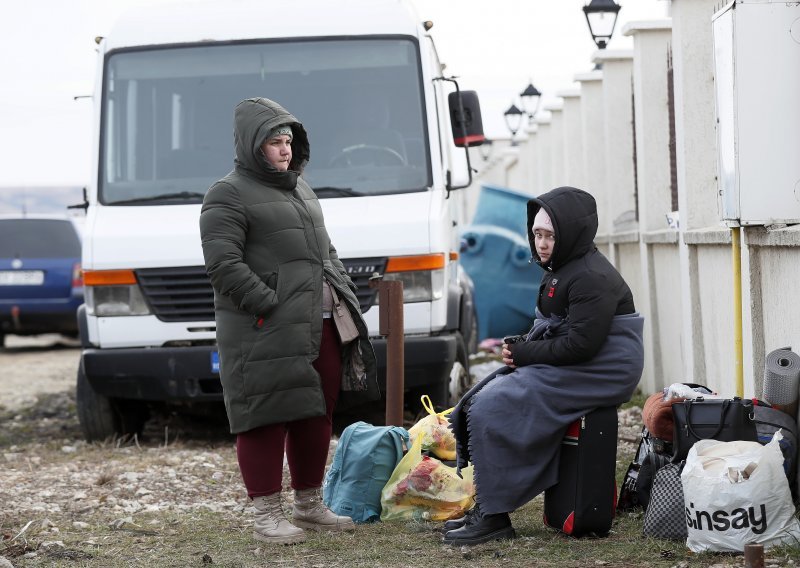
[415, 262]
[108, 277]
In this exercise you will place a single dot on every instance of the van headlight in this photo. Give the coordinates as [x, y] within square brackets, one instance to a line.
[422, 276]
[110, 293]
[420, 286]
[109, 301]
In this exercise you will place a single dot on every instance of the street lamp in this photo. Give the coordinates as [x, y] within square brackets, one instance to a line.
[601, 15]
[530, 98]
[513, 117]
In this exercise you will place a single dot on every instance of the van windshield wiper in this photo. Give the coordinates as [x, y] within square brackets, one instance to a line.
[330, 191]
[161, 197]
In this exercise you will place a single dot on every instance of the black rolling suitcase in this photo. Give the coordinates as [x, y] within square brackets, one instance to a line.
[585, 498]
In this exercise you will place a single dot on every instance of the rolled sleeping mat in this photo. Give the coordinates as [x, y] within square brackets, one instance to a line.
[782, 380]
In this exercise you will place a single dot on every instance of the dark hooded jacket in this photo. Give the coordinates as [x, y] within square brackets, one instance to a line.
[578, 283]
[266, 251]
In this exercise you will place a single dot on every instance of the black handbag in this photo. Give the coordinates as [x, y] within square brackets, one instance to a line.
[724, 419]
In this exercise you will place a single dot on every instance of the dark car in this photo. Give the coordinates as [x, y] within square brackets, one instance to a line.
[41, 285]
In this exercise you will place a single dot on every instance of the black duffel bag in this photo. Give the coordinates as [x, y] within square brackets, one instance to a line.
[723, 419]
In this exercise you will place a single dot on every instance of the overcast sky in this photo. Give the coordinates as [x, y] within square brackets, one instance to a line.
[47, 58]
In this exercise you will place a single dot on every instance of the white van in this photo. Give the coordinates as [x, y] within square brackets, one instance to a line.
[364, 78]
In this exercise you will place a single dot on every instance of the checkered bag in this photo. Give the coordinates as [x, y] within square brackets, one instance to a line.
[665, 516]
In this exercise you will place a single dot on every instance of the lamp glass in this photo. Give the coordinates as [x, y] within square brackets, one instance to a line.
[601, 24]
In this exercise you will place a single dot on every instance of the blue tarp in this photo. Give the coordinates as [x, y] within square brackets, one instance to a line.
[495, 253]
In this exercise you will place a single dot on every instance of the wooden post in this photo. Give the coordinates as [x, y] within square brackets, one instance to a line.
[753, 556]
[390, 325]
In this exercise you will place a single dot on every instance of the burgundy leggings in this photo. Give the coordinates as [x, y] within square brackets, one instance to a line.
[260, 450]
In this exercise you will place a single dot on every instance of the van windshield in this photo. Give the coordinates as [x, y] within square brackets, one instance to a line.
[168, 116]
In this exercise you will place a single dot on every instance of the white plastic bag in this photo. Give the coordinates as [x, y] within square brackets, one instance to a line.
[736, 493]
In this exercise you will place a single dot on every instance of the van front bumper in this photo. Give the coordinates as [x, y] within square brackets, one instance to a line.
[185, 373]
[154, 373]
[428, 360]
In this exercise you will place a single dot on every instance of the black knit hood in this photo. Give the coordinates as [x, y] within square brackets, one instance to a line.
[254, 119]
[573, 213]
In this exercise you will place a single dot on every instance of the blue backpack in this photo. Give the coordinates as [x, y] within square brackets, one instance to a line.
[364, 460]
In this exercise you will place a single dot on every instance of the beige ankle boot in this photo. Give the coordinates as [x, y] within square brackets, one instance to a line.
[311, 513]
[272, 525]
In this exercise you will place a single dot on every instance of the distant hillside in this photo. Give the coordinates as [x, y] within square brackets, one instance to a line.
[45, 199]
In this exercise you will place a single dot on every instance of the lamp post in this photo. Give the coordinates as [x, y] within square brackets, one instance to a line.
[513, 117]
[530, 98]
[601, 15]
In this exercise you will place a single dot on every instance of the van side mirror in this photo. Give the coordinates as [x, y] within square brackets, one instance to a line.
[465, 118]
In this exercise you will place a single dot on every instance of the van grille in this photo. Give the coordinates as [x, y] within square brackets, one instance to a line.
[360, 270]
[185, 293]
[178, 294]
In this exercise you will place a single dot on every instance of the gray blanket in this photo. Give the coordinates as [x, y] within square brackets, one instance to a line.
[510, 425]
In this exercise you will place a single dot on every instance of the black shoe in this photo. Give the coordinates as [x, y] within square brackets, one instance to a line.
[454, 524]
[483, 529]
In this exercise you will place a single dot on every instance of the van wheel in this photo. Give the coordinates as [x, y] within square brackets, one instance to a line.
[95, 411]
[101, 417]
[460, 379]
[472, 347]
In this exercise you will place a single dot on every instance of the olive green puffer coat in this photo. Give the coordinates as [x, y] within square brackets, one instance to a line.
[266, 250]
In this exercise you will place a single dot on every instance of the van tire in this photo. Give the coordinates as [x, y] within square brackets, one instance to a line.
[95, 411]
[103, 418]
[460, 380]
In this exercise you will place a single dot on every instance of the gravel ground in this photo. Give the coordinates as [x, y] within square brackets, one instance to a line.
[51, 481]
[36, 365]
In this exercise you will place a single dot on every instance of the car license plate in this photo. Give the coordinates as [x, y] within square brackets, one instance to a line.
[215, 362]
[21, 277]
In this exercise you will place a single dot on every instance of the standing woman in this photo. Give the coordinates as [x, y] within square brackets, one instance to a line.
[275, 272]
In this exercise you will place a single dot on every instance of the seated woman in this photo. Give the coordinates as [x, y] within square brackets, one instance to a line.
[584, 352]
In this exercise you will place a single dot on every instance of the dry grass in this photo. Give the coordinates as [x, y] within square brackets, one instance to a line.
[93, 484]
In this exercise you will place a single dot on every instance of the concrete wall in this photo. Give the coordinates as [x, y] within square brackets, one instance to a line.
[556, 145]
[664, 315]
[692, 51]
[771, 311]
[574, 172]
[594, 157]
[658, 244]
[618, 141]
[544, 162]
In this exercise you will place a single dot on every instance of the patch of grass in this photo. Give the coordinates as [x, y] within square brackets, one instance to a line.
[185, 540]
[637, 399]
[172, 538]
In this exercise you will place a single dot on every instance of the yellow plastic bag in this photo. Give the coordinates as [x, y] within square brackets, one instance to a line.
[435, 432]
[422, 487]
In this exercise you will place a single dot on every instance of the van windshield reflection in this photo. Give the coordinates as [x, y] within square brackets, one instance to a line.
[167, 115]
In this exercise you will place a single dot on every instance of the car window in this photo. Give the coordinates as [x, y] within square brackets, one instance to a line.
[38, 238]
